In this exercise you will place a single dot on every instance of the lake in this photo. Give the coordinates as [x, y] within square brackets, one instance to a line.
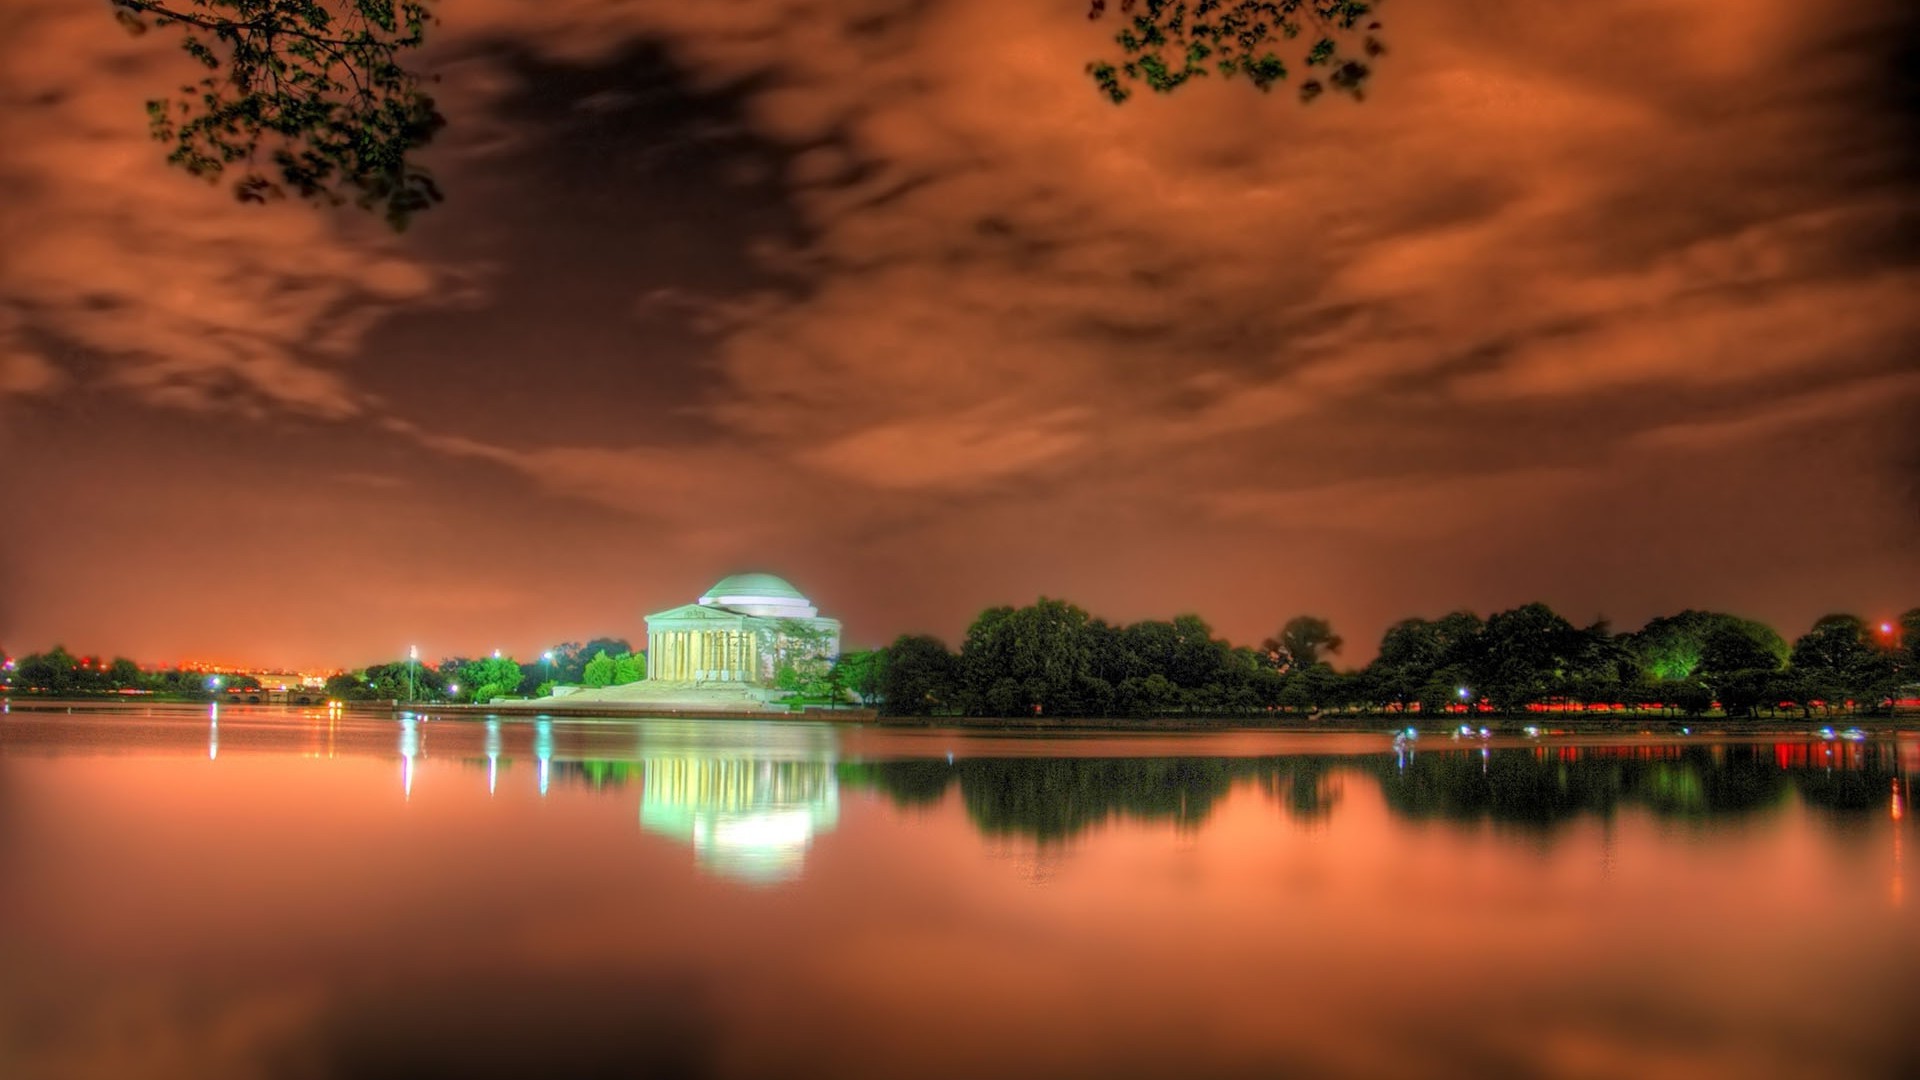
[269, 893]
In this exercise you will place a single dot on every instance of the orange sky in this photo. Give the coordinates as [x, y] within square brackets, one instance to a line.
[1606, 305]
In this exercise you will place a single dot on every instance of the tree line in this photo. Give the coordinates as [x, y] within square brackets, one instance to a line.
[61, 673]
[1052, 658]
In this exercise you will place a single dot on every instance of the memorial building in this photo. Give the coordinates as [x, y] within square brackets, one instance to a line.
[739, 632]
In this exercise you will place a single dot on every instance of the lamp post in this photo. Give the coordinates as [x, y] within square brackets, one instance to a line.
[413, 657]
[548, 657]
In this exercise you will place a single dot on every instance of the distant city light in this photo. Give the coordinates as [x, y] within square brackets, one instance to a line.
[1463, 691]
[1886, 628]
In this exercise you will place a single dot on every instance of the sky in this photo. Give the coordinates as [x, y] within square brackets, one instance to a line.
[1608, 305]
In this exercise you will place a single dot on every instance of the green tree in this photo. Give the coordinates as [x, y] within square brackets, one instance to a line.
[1672, 646]
[862, 672]
[124, 673]
[301, 97]
[598, 671]
[52, 672]
[917, 676]
[629, 667]
[1408, 656]
[483, 680]
[1166, 43]
[1739, 646]
[1526, 656]
[1839, 662]
[1042, 650]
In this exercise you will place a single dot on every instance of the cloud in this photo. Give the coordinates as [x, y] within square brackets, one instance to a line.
[888, 282]
[949, 452]
[181, 296]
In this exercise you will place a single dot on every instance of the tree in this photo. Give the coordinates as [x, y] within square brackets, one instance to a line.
[861, 671]
[53, 671]
[1837, 660]
[1675, 646]
[1166, 43]
[1042, 651]
[629, 667]
[1301, 642]
[307, 97]
[917, 676]
[1739, 645]
[1526, 656]
[483, 680]
[598, 671]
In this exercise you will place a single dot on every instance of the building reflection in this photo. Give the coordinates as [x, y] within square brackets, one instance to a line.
[749, 806]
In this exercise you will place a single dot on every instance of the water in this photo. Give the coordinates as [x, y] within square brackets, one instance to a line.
[281, 894]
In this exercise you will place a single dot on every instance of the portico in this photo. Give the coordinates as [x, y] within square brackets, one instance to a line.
[737, 633]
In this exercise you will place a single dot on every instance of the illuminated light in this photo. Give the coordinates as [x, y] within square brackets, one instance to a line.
[1463, 691]
[543, 749]
[409, 746]
[493, 755]
[496, 654]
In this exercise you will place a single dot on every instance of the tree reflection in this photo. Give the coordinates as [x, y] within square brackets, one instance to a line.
[1049, 800]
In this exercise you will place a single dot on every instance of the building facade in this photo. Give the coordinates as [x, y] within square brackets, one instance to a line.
[739, 632]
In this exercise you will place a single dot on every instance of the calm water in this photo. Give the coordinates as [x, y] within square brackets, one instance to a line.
[303, 895]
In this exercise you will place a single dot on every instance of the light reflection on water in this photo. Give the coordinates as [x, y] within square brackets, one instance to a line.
[728, 898]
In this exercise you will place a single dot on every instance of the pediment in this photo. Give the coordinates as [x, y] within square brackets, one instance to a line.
[697, 613]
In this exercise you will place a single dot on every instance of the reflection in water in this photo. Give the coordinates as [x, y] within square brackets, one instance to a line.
[493, 755]
[1451, 915]
[409, 749]
[1053, 799]
[750, 808]
[543, 750]
[213, 731]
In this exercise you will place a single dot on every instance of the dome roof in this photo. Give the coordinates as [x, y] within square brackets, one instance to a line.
[755, 585]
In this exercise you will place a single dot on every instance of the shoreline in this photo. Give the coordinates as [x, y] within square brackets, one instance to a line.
[1343, 723]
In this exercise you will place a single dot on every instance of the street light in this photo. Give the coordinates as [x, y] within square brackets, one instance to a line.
[548, 657]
